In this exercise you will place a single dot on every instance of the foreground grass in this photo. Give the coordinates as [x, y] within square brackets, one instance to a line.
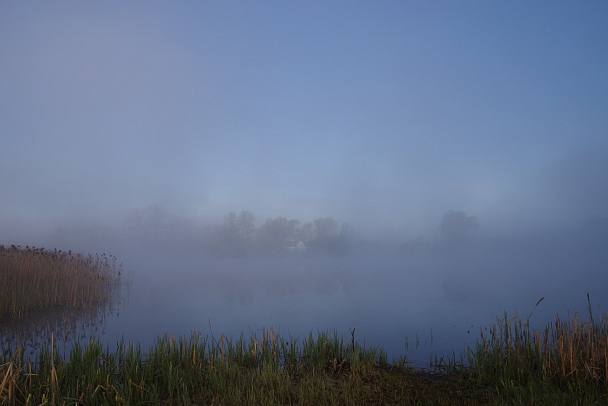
[34, 280]
[564, 364]
[264, 370]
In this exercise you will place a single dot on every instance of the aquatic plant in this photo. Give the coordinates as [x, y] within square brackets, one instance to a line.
[512, 365]
[45, 292]
[569, 356]
[34, 280]
[263, 368]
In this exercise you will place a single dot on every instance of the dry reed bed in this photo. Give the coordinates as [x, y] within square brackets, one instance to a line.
[35, 279]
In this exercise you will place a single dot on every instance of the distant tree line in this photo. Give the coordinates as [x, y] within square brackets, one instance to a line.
[238, 236]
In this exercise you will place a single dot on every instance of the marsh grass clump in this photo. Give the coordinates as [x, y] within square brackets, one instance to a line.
[262, 369]
[568, 357]
[36, 280]
[508, 367]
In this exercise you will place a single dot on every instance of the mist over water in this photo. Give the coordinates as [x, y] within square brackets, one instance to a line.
[440, 164]
[415, 300]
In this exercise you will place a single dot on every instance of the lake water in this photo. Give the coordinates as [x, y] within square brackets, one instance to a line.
[440, 300]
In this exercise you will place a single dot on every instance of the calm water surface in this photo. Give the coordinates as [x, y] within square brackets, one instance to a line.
[436, 303]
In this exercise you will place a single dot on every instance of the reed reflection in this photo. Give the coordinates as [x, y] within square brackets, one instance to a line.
[46, 293]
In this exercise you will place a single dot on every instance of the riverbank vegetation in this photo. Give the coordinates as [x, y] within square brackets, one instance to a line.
[35, 280]
[566, 363]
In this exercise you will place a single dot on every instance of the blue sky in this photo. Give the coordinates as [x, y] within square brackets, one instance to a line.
[381, 114]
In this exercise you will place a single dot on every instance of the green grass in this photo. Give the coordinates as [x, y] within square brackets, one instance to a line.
[565, 362]
[513, 364]
[263, 369]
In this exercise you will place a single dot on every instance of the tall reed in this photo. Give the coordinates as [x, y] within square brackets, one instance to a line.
[35, 280]
[571, 355]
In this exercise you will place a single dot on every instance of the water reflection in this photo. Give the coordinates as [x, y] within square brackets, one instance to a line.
[65, 326]
[411, 304]
[53, 293]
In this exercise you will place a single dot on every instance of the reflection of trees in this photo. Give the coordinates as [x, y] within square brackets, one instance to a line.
[244, 282]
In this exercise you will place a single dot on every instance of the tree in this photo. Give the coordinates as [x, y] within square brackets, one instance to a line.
[151, 221]
[326, 227]
[327, 235]
[236, 232]
[307, 233]
[275, 234]
[456, 227]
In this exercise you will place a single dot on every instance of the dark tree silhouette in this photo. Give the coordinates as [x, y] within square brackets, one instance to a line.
[151, 221]
[456, 228]
[236, 232]
[328, 236]
[276, 234]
